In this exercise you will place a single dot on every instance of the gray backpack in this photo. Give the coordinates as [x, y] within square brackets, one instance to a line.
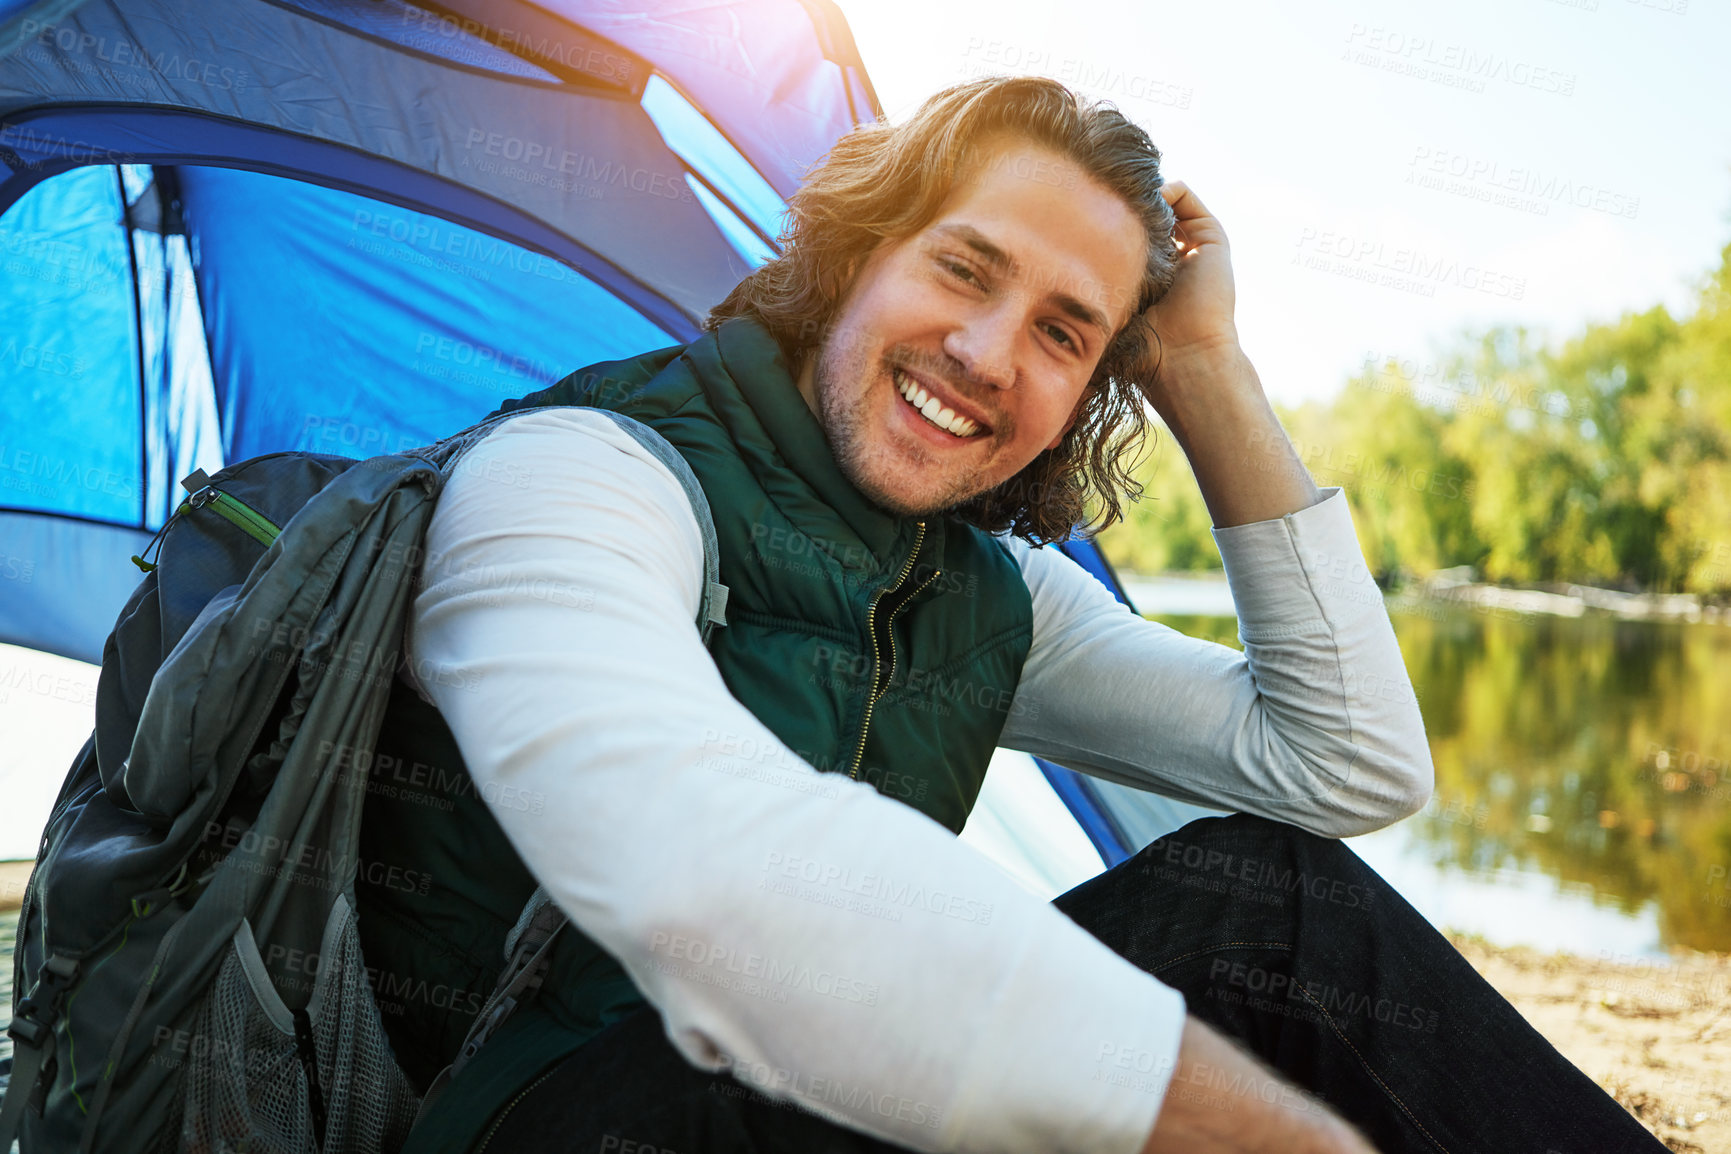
[188, 974]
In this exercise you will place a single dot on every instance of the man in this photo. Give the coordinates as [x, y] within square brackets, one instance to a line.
[777, 942]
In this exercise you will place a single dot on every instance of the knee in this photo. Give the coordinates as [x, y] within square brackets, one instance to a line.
[1243, 842]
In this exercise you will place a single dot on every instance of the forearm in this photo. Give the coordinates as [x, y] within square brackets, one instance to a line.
[1315, 723]
[1221, 1100]
[1244, 462]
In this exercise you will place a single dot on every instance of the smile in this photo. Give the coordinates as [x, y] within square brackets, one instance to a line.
[932, 410]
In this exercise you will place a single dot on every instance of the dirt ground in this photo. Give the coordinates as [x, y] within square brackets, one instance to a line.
[1657, 1036]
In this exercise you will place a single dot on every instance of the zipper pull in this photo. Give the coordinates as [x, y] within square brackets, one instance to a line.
[309, 1057]
[138, 559]
[196, 483]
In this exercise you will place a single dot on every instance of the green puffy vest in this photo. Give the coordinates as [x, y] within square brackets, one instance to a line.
[871, 644]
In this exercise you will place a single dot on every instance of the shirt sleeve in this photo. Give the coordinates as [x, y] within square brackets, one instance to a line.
[828, 946]
[1315, 723]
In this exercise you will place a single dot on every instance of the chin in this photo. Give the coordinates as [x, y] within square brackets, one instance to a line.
[880, 462]
[881, 488]
[899, 501]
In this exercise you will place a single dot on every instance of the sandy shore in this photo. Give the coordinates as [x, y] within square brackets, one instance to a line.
[1658, 1037]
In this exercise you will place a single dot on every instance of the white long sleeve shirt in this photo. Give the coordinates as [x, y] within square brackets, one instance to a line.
[831, 946]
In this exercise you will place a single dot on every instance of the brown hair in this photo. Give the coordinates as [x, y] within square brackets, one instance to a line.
[881, 183]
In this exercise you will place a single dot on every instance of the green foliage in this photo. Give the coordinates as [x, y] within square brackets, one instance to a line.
[1606, 461]
[1168, 529]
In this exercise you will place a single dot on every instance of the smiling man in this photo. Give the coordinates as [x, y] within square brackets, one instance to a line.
[777, 942]
[924, 413]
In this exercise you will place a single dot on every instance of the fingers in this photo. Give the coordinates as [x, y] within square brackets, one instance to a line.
[1196, 225]
[1186, 205]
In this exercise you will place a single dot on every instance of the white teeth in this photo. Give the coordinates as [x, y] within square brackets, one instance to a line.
[932, 409]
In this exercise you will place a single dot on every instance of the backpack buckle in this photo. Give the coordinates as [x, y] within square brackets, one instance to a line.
[34, 1019]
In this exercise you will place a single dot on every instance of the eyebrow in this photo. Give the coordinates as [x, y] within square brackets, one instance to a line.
[1005, 264]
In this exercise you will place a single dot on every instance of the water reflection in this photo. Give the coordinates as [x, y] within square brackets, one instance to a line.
[1592, 750]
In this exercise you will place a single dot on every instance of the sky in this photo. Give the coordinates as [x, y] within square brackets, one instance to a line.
[1389, 175]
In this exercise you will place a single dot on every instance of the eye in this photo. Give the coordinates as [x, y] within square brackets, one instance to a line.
[1059, 334]
[960, 271]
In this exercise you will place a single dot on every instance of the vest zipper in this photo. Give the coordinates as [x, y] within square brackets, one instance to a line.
[873, 694]
[487, 1138]
[889, 622]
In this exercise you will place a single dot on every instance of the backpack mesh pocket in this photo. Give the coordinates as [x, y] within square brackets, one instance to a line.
[267, 1080]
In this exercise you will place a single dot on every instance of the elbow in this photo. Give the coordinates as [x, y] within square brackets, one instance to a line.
[1374, 798]
[1413, 794]
[1400, 790]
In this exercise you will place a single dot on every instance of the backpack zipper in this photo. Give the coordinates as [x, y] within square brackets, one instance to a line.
[237, 512]
[227, 506]
[873, 694]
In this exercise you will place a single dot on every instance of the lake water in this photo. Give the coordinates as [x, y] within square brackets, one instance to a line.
[1583, 796]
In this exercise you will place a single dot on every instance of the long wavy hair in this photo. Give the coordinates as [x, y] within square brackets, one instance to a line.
[881, 183]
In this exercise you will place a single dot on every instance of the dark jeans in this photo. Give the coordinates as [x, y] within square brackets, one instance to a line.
[1281, 939]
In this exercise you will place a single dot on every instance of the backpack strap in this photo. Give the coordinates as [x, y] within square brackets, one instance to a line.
[712, 603]
[32, 1034]
[712, 610]
[529, 945]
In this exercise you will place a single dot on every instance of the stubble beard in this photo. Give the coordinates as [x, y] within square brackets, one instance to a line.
[843, 410]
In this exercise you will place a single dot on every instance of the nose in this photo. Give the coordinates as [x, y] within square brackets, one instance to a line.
[983, 343]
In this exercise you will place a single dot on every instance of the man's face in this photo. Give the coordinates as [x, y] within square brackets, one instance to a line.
[991, 319]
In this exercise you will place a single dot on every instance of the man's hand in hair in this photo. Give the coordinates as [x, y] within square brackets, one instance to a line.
[1195, 317]
[1206, 390]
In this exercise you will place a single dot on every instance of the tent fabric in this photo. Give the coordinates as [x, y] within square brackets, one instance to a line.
[782, 78]
[62, 582]
[475, 227]
[70, 332]
[230, 227]
[346, 326]
[314, 362]
[585, 161]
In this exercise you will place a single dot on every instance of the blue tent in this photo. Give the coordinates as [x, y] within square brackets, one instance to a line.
[351, 226]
